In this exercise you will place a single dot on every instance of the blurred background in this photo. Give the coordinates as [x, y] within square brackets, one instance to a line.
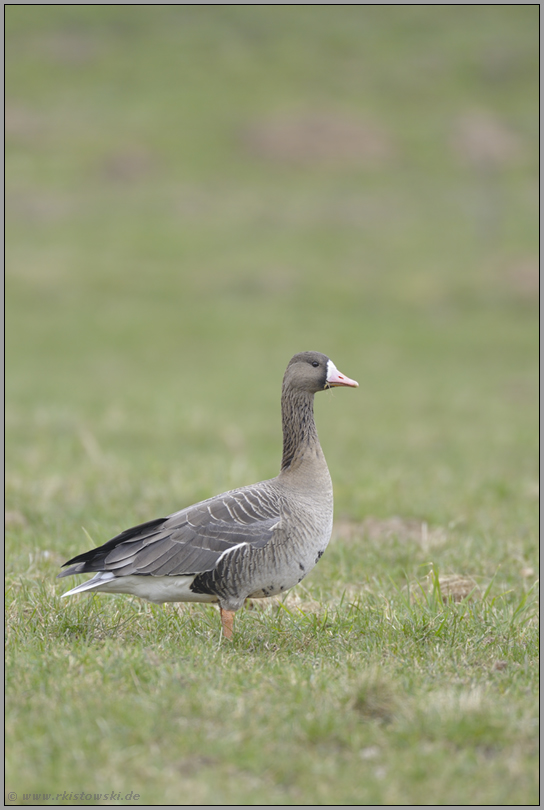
[195, 193]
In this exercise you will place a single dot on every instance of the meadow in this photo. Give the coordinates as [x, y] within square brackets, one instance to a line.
[194, 194]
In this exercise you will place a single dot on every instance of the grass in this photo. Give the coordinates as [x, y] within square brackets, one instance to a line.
[165, 258]
[376, 695]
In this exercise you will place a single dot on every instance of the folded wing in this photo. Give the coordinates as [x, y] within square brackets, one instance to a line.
[190, 541]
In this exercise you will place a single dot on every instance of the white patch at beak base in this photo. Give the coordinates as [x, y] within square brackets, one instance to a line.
[335, 378]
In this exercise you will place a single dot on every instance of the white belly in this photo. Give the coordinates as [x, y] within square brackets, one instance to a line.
[154, 589]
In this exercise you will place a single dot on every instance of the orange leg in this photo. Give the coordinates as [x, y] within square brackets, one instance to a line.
[227, 622]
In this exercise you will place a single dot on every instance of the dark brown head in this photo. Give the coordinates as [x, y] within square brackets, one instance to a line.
[313, 372]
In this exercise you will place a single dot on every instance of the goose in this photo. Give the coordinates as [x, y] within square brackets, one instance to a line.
[252, 542]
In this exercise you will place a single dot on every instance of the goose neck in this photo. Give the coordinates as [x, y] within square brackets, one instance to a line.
[299, 430]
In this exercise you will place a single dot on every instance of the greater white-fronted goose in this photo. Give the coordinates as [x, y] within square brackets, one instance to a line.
[256, 541]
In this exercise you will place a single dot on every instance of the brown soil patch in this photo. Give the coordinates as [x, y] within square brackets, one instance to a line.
[319, 137]
[69, 46]
[403, 529]
[480, 139]
[22, 123]
[129, 164]
[523, 277]
[31, 206]
[12, 517]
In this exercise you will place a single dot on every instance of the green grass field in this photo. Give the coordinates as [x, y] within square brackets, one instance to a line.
[194, 194]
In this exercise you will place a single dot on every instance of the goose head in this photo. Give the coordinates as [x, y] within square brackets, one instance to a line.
[312, 372]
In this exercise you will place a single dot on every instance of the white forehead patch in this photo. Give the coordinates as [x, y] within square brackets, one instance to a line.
[331, 370]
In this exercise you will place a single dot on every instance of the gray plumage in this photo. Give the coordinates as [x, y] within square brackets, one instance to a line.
[254, 541]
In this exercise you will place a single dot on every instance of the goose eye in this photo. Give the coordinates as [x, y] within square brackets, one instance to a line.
[315, 363]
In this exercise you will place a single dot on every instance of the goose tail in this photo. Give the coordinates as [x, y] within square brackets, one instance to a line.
[94, 584]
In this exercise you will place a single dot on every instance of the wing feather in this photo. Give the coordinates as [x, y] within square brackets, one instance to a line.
[190, 541]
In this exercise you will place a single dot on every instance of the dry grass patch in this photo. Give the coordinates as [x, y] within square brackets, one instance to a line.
[448, 587]
[375, 696]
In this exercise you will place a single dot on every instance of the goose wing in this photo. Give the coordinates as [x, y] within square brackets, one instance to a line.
[191, 541]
